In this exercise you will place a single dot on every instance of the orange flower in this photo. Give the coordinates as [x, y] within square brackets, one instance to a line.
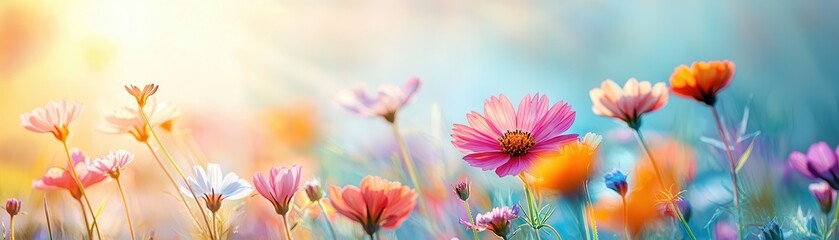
[142, 95]
[567, 170]
[378, 203]
[702, 80]
[678, 167]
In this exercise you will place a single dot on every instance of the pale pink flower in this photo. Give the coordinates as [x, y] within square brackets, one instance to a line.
[510, 141]
[630, 102]
[378, 203]
[52, 118]
[61, 178]
[143, 95]
[498, 221]
[279, 187]
[386, 103]
[824, 194]
[820, 162]
[130, 120]
[112, 164]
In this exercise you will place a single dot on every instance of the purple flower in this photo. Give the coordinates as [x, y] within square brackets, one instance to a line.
[824, 195]
[616, 181]
[13, 206]
[463, 189]
[385, 104]
[684, 207]
[499, 221]
[820, 162]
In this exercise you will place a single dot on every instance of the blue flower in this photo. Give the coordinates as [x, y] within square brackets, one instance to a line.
[616, 181]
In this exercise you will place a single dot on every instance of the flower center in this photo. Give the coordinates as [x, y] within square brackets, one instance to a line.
[516, 143]
[213, 200]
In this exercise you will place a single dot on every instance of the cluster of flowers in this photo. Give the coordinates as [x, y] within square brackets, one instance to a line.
[529, 142]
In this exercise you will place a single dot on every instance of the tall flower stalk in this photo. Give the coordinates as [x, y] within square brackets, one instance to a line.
[463, 190]
[142, 96]
[112, 165]
[315, 194]
[83, 194]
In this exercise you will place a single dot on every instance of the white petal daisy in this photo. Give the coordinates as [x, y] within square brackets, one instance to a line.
[214, 186]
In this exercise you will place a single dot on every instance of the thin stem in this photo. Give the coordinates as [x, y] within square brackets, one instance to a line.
[372, 237]
[682, 220]
[732, 165]
[409, 163]
[47, 215]
[73, 173]
[174, 164]
[558, 237]
[286, 230]
[584, 216]
[125, 205]
[84, 216]
[12, 227]
[590, 211]
[174, 184]
[834, 223]
[530, 205]
[625, 218]
[328, 222]
[471, 219]
[678, 211]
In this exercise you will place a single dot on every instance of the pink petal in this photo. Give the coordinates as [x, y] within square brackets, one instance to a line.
[487, 160]
[499, 111]
[821, 157]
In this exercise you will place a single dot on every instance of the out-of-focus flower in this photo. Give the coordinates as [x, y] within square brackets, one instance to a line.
[630, 102]
[142, 95]
[616, 181]
[386, 103]
[678, 167]
[111, 164]
[61, 178]
[702, 80]
[215, 187]
[498, 221]
[279, 187]
[130, 120]
[725, 231]
[824, 195]
[52, 118]
[377, 203]
[684, 207]
[820, 162]
[567, 170]
[313, 190]
[510, 141]
[772, 231]
[13, 206]
[463, 189]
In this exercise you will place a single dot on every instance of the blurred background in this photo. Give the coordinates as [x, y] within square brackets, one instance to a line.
[256, 81]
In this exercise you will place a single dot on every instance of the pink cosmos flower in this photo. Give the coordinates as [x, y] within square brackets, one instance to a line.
[820, 162]
[279, 187]
[628, 104]
[111, 164]
[510, 141]
[824, 195]
[388, 101]
[61, 178]
[130, 120]
[52, 118]
[377, 203]
[499, 221]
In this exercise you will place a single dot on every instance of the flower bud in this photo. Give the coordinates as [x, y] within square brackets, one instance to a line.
[616, 181]
[824, 195]
[463, 189]
[313, 190]
[13, 206]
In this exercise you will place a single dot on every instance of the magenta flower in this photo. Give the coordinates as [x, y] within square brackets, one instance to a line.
[386, 103]
[499, 221]
[824, 195]
[280, 186]
[52, 118]
[13, 206]
[60, 178]
[510, 141]
[820, 162]
[112, 164]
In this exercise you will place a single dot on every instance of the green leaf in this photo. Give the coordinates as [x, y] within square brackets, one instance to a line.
[745, 157]
[99, 210]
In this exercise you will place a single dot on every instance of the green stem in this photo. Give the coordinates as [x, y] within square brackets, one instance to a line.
[174, 164]
[471, 219]
[682, 220]
[625, 218]
[286, 230]
[47, 215]
[409, 164]
[590, 212]
[732, 165]
[328, 222]
[215, 228]
[558, 237]
[125, 205]
[174, 184]
[84, 216]
[678, 211]
[531, 208]
[73, 173]
[584, 220]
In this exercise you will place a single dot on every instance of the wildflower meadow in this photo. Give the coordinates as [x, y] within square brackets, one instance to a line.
[279, 120]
